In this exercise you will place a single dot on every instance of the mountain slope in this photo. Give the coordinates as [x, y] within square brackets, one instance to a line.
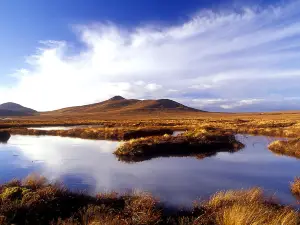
[119, 104]
[13, 109]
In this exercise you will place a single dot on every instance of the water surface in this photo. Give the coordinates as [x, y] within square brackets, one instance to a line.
[90, 165]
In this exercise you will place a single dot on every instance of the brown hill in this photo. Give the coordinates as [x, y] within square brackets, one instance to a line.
[13, 109]
[119, 104]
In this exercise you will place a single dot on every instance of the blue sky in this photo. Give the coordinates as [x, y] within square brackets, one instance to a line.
[213, 55]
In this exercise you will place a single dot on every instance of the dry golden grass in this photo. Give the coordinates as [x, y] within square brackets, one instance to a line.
[135, 126]
[289, 147]
[295, 187]
[97, 133]
[38, 202]
[35, 201]
[245, 207]
[189, 143]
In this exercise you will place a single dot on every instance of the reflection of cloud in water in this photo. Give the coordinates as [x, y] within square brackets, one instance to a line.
[62, 156]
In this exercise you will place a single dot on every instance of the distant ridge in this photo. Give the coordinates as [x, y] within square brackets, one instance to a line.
[119, 104]
[14, 109]
[117, 98]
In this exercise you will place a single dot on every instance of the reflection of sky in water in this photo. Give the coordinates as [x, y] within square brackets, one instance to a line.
[90, 165]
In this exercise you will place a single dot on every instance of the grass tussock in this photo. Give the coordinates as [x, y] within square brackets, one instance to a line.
[35, 201]
[98, 133]
[189, 143]
[295, 188]
[38, 202]
[289, 147]
[244, 207]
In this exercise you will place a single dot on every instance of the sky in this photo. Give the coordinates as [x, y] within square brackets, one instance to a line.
[215, 55]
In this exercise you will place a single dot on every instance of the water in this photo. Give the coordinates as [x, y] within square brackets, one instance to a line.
[176, 133]
[90, 165]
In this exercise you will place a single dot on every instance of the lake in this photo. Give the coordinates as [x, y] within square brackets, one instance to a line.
[90, 165]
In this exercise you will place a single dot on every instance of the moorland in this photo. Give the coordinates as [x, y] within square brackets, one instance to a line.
[146, 127]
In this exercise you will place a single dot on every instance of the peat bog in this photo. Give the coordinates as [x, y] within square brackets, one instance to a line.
[207, 157]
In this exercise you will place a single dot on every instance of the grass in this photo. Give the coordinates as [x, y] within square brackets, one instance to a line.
[295, 188]
[283, 125]
[245, 207]
[270, 124]
[289, 147]
[97, 133]
[189, 143]
[132, 127]
[35, 201]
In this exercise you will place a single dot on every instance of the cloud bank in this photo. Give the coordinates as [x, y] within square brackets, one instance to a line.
[239, 60]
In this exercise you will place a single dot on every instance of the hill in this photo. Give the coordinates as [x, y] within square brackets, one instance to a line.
[118, 104]
[13, 109]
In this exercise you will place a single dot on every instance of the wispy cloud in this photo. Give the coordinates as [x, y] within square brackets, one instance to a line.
[216, 60]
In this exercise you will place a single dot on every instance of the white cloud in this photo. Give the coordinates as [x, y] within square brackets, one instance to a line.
[153, 87]
[230, 56]
[241, 103]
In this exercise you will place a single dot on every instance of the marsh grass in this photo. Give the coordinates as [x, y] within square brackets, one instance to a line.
[97, 133]
[35, 201]
[288, 147]
[280, 125]
[191, 143]
[295, 188]
[244, 207]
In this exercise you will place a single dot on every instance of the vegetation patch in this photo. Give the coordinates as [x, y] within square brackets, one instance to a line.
[295, 188]
[189, 143]
[281, 125]
[289, 147]
[97, 133]
[35, 201]
[244, 207]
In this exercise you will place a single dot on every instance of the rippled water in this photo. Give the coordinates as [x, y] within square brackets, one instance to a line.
[90, 165]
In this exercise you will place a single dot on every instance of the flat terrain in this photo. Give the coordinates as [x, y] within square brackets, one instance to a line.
[119, 108]
[36, 201]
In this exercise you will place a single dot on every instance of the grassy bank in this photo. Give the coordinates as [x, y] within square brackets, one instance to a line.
[289, 147]
[97, 133]
[189, 143]
[295, 188]
[34, 201]
[270, 125]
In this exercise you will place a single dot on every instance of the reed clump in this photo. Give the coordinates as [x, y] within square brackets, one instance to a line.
[35, 201]
[295, 188]
[103, 133]
[188, 143]
[288, 147]
[244, 207]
